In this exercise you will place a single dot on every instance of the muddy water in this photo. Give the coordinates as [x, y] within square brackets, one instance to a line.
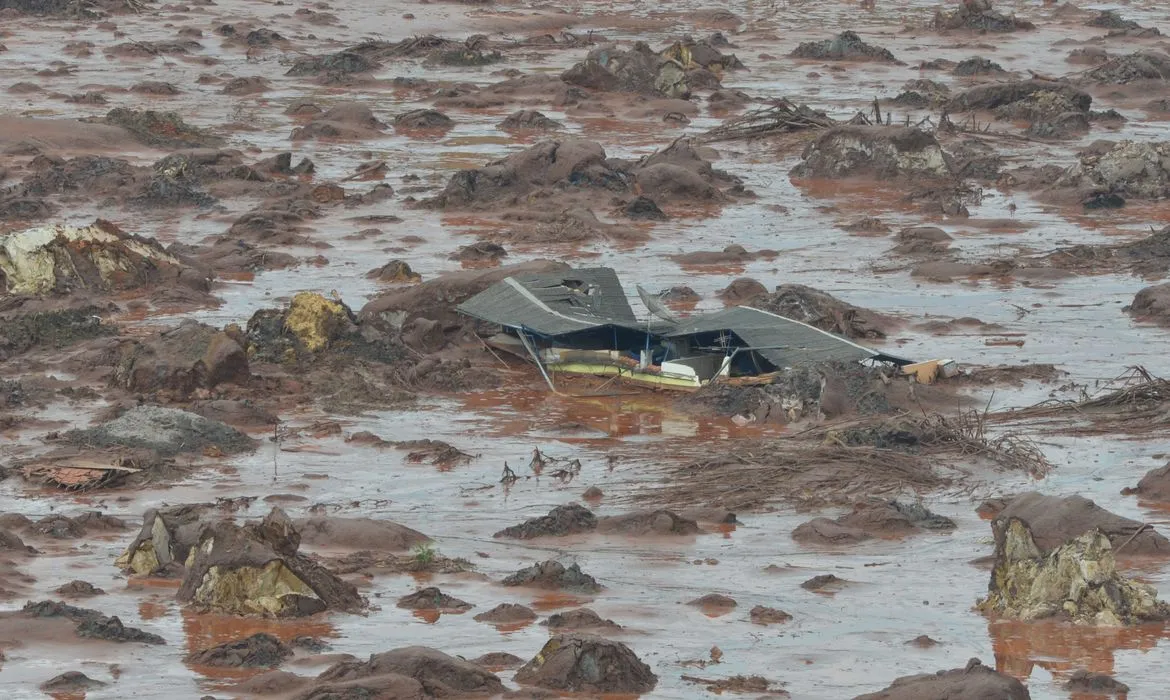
[836, 646]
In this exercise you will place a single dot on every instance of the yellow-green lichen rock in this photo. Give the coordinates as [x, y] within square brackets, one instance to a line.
[315, 320]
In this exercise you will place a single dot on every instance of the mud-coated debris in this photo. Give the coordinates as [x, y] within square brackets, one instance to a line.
[432, 598]
[161, 129]
[563, 520]
[743, 290]
[554, 576]
[167, 537]
[183, 359]
[100, 257]
[846, 46]
[395, 271]
[1000, 94]
[978, 15]
[1083, 681]
[1131, 169]
[824, 311]
[977, 65]
[1110, 19]
[507, 613]
[256, 570]
[823, 582]
[440, 675]
[358, 533]
[587, 664]
[1054, 520]
[500, 660]
[642, 208]
[79, 589]
[261, 650]
[638, 70]
[529, 119]
[71, 682]
[873, 151]
[975, 681]
[167, 431]
[1076, 579]
[762, 615]
[874, 518]
[423, 119]
[1138, 66]
[580, 619]
[111, 629]
[657, 522]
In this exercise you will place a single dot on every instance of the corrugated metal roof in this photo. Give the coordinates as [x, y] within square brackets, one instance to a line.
[555, 303]
[783, 341]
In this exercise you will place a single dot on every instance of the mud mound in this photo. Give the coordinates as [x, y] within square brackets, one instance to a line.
[824, 311]
[846, 46]
[192, 356]
[587, 664]
[1075, 580]
[396, 272]
[258, 651]
[433, 599]
[256, 570]
[762, 615]
[71, 682]
[554, 576]
[977, 65]
[507, 613]
[979, 16]
[111, 629]
[348, 121]
[1137, 66]
[875, 152]
[871, 519]
[100, 257]
[79, 589]
[359, 533]
[166, 539]
[580, 619]
[658, 522]
[161, 129]
[1054, 520]
[1154, 486]
[167, 431]
[1131, 169]
[1151, 304]
[423, 119]
[87, 173]
[562, 520]
[440, 675]
[974, 682]
[529, 119]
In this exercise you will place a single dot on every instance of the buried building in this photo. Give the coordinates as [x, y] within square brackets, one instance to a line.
[580, 322]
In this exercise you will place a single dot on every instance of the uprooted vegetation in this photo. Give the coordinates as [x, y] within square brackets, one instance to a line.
[1133, 403]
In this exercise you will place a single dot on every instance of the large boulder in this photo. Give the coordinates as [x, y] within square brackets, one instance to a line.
[309, 325]
[167, 538]
[874, 152]
[100, 257]
[183, 359]
[441, 675]
[257, 570]
[582, 663]
[974, 682]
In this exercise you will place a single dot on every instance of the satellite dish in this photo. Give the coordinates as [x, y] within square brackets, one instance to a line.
[656, 306]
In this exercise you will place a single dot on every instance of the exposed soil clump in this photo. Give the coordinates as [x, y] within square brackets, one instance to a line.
[1151, 304]
[973, 681]
[498, 660]
[874, 152]
[440, 675]
[676, 72]
[423, 119]
[553, 575]
[433, 599]
[978, 15]
[846, 46]
[256, 570]
[563, 520]
[261, 650]
[21, 332]
[587, 664]
[871, 519]
[976, 65]
[658, 522]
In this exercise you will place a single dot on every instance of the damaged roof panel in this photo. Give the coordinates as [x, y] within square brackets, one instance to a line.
[782, 341]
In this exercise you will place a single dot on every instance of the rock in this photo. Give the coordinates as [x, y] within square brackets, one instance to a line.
[977, 15]
[167, 538]
[79, 589]
[100, 258]
[261, 650]
[580, 619]
[563, 520]
[111, 629]
[762, 615]
[507, 613]
[395, 271]
[161, 129]
[679, 294]
[183, 359]
[440, 675]
[423, 119]
[358, 533]
[167, 431]
[976, 682]
[823, 311]
[501, 660]
[922, 641]
[642, 208]
[658, 522]
[977, 65]
[285, 682]
[11, 542]
[433, 599]
[1077, 580]
[846, 46]
[310, 325]
[1053, 520]
[256, 570]
[587, 664]
[1083, 681]
[529, 119]
[71, 682]
[555, 576]
[873, 151]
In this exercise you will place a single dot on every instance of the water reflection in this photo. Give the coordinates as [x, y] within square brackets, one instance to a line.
[1062, 648]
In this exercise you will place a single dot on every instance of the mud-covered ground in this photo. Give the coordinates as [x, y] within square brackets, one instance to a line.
[281, 245]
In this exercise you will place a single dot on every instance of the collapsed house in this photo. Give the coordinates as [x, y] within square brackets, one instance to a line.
[580, 322]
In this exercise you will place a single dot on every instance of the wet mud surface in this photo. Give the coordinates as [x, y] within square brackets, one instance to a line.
[248, 203]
